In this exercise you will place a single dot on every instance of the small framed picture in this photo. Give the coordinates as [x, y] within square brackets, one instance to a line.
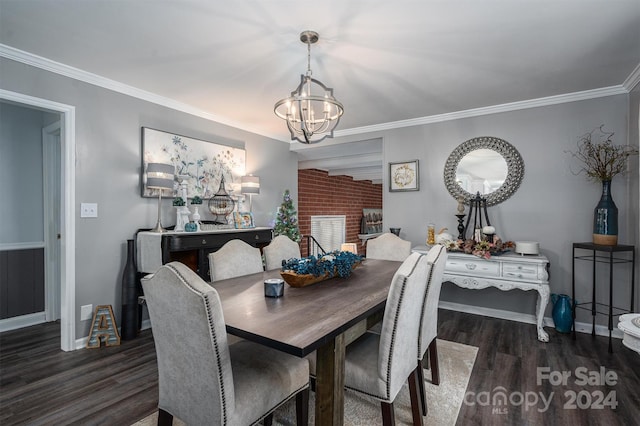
[243, 220]
[404, 176]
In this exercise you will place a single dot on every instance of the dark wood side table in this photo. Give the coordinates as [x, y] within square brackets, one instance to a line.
[192, 248]
[602, 254]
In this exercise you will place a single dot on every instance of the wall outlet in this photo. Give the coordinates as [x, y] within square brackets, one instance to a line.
[86, 312]
[89, 210]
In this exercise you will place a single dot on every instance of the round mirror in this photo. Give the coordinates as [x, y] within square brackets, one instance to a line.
[488, 165]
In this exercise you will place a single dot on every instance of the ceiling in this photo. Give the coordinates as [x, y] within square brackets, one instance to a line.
[391, 63]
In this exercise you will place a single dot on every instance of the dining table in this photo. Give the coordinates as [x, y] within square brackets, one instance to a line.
[323, 317]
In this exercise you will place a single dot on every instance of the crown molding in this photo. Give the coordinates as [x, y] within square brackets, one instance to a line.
[106, 83]
[494, 109]
[97, 80]
[632, 81]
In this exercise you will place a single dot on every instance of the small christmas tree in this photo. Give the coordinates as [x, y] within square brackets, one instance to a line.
[286, 219]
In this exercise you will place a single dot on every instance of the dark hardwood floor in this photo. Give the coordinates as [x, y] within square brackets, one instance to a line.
[41, 385]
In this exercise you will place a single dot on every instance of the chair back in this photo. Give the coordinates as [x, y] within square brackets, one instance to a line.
[194, 367]
[279, 249]
[234, 259]
[401, 323]
[388, 246]
[437, 258]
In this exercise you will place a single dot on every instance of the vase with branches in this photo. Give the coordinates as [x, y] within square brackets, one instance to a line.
[600, 161]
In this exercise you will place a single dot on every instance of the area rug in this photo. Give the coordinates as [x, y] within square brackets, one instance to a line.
[444, 401]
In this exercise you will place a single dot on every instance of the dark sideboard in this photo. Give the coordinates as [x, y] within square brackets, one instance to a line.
[191, 248]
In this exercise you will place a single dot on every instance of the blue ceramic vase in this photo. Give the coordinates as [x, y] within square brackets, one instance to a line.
[605, 218]
[562, 313]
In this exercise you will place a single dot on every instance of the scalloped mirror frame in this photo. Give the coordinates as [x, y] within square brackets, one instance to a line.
[515, 169]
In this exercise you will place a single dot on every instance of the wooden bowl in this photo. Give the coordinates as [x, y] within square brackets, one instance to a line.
[302, 280]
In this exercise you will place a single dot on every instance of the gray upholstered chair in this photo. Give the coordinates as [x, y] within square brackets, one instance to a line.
[279, 249]
[203, 380]
[378, 365]
[388, 246]
[235, 258]
[437, 258]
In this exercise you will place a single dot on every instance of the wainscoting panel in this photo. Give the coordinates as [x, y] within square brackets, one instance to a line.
[21, 282]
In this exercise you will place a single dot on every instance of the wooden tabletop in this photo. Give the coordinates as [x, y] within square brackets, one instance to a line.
[306, 318]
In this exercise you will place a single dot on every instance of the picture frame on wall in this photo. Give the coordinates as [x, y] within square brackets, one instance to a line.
[404, 176]
[200, 164]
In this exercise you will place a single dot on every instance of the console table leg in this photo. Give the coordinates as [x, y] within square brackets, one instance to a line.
[610, 300]
[543, 300]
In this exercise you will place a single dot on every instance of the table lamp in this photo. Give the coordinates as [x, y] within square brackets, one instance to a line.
[160, 177]
[250, 185]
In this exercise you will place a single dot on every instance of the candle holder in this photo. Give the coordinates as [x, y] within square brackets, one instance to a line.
[431, 234]
[460, 226]
[273, 287]
[477, 206]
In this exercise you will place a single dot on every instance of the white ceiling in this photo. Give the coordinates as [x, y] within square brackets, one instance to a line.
[388, 61]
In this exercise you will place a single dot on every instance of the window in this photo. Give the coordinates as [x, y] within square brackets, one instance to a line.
[329, 232]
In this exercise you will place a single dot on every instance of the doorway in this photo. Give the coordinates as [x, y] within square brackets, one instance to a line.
[65, 221]
[51, 183]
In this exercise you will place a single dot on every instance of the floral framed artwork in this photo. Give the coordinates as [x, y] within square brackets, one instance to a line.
[199, 163]
[404, 176]
[243, 220]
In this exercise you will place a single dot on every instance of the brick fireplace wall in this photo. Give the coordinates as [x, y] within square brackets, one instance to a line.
[321, 194]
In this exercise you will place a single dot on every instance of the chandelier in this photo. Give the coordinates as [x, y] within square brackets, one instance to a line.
[311, 111]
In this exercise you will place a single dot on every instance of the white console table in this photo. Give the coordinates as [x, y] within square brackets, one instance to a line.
[506, 272]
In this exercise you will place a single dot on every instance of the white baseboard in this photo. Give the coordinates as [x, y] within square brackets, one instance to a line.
[82, 343]
[21, 321]
[581, 327]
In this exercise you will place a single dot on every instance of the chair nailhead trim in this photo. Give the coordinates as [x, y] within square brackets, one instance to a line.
[395, 327]
[424, 303]
[214, 339]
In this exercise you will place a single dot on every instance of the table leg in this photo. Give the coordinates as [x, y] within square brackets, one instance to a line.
[593, 297]
[610, 299]
[543, 300]
[633, 277]
[573, 292]
[330, 382]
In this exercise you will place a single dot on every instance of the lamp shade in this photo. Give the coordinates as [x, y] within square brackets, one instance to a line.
[160, 176]
[250, 185]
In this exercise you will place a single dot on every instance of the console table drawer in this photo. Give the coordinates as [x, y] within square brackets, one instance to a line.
[185, 241]
[521, 272]
[472, 266]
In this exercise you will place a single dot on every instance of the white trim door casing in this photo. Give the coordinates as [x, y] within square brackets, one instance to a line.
[51, 184]
[67, 211]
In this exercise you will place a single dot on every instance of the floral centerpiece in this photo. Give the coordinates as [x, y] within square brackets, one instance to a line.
[312, 269]
[483, 248]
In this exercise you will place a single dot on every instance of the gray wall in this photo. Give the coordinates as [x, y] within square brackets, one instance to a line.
[21, 191]
[551, 206]
[108, 152]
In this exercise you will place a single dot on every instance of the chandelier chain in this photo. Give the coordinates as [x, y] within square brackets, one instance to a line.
[309, 59]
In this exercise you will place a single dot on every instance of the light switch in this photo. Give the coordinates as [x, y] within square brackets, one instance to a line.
[88, 210]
